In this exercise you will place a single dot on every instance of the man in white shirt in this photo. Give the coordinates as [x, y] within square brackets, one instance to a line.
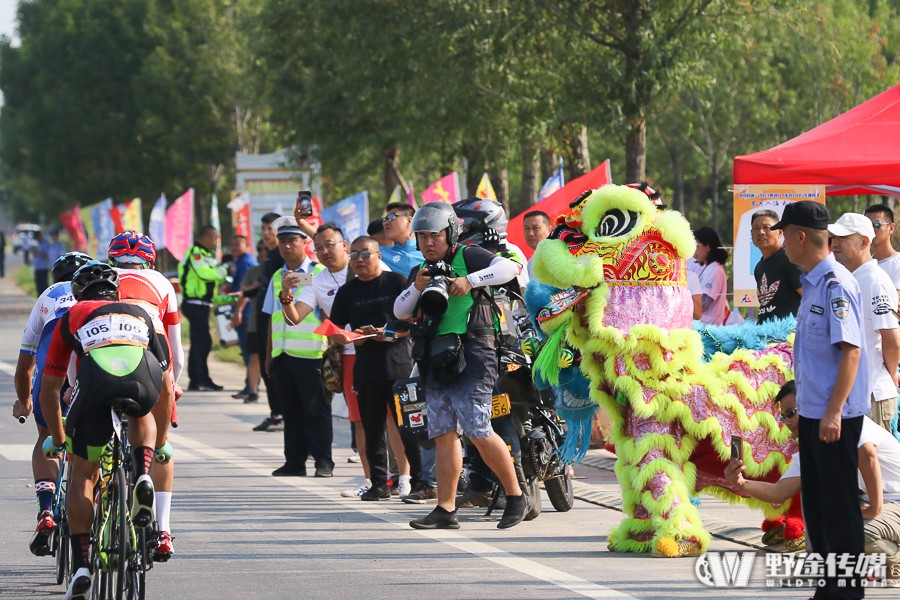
[882, 218]
[852, 235]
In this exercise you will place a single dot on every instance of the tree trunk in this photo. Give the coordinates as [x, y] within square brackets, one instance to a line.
[549, 164]
[391, 174]
[579, 156]
[714, 182]
[531, 166]
[502, 188]
[636, 149]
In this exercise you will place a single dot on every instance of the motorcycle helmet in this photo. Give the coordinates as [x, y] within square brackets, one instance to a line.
[96, 279]
[66, 265]
[480, 220]
[131, 247]
[437, 216]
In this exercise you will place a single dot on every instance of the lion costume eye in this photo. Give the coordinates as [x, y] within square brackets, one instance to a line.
[616, 222]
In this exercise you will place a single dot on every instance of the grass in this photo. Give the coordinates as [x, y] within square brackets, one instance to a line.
[24, 278]
[229, 354]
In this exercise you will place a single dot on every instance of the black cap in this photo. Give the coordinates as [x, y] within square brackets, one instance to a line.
[805, 213]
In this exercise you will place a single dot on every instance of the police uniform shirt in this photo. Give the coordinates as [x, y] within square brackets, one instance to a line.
[830, 313]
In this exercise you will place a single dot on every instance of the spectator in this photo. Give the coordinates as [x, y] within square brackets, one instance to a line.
[248, 290]
[243, 262]
[199, 274]
[366, 304]
[46, 251]
[293, 361]
[270, 266]
[457, 392]
[777, 280]
[852, 235]
[710, 258]
[832, 391]
[696, 290]
[536, 226]
[375, 230]
[878, 454]
[403, 255]
[882, 218]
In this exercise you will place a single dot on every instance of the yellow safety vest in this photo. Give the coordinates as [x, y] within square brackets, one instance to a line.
[298, 340]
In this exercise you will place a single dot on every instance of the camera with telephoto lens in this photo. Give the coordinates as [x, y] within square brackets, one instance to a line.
[436, 295]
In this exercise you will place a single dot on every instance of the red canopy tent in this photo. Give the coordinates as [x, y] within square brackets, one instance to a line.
[854, 153]
[558, 202]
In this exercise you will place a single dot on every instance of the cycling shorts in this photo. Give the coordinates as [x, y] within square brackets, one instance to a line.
[104, 375]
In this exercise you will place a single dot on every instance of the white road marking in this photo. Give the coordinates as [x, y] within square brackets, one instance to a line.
[7, 368]
[16, 452]
[577, 585]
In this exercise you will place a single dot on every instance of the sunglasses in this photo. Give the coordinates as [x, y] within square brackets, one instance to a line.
[391, 217]
[877, 224]
[363, 254]
[325, 246]
[789, 413]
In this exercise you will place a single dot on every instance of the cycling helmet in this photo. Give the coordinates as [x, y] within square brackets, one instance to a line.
[480, 220]
[96, 279]
[437, 216]
[66, 265]
[131, 247]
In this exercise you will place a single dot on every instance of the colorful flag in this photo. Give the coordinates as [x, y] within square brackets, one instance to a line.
[132, 220]
[180, 225]
[350, 214]
[329, 328]
[554, 183]
[411, 197]
[395, 195]
[214, 221]
[89, 234]
[104, 228]
[240, 219]
[445, 189]
[115, 213]
[485, 189]
[158, 222]
[71, 221]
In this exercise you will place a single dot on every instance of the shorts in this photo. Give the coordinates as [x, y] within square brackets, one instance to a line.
[464, 405]
[36, 410]
[252, 341]
[347, 362]
[89, 425]
[883, 412]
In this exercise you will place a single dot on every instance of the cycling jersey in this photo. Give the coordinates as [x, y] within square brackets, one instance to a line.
[152, 291]
[119, 356]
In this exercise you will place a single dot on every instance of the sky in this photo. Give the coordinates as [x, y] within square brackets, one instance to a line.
[8, 17]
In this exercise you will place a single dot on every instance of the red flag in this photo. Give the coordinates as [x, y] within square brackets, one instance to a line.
[71, 221]
[329, 328]
[116, 217]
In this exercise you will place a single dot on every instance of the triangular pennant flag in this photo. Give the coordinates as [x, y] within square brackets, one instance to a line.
[445, 189]
[485, 189]
[395, 195]
[411, 197]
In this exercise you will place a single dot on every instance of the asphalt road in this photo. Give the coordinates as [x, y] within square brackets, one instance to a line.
[240, 533]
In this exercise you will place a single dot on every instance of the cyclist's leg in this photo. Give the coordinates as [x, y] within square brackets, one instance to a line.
[164, 473]
[142, 435]
[80, 512]
[46, 472]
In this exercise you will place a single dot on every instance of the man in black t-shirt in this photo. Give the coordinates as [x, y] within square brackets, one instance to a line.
[778, 284]
[366, 303]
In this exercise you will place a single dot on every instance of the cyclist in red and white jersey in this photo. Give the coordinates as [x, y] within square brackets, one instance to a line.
[133, 255]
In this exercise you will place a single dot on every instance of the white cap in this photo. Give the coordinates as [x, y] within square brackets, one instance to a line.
[851, 223]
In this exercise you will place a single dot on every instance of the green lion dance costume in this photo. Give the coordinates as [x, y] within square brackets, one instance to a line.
[622, 303]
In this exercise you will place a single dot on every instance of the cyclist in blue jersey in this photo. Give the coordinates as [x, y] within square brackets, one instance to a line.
[52, 304]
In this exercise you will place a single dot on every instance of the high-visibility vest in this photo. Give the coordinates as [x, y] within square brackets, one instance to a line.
[297, 340]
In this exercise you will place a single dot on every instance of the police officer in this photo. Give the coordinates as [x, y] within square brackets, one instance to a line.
[295, 352]
[456, 349]
[832, 390]
[199, 274]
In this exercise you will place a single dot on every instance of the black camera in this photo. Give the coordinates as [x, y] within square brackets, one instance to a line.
[437, 294]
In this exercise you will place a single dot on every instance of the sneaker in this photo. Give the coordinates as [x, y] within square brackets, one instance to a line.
[472, 499]
[514, 513]
[40, 541]
[354, 458]
[142, 502]
[269, 424]
[378, 491]
[251, 398]
[422, 494]
[436, 519]
[289, 471]
[405, 486]
[212, 387]
[164, 549]
[241, 394]
[324, 472]
[80, 587]
[357, 492]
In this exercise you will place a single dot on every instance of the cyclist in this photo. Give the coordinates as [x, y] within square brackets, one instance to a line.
[52, 304]
[107, 337]
[133, 256]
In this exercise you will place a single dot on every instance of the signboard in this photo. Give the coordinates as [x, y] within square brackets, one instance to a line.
[747, 200]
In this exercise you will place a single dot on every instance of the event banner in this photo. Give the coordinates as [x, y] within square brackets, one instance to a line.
[71, 221]
[749, 198]
[180, 225]
[350, 214]
[88, 226]
[240, 219]
[130, 213]
[157, 230]
[445, 189]
[104, 228]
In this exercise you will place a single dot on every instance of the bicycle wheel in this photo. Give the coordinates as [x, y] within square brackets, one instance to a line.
[137, 569]
[61, 535]
[119, 536]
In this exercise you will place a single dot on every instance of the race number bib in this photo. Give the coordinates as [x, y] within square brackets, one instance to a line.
[152, 312]
[113, 329]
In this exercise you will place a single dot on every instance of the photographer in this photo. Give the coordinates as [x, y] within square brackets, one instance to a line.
[455, 347]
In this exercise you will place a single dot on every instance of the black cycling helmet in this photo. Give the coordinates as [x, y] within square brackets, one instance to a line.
[66, 265]
[437, 216]
[480, 219]
[97, 280]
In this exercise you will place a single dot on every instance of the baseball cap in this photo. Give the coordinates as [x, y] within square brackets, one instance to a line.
[851, 223]
[805, 213]
[286, 227]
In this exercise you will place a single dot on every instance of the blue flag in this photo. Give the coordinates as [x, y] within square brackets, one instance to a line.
[350, 214]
